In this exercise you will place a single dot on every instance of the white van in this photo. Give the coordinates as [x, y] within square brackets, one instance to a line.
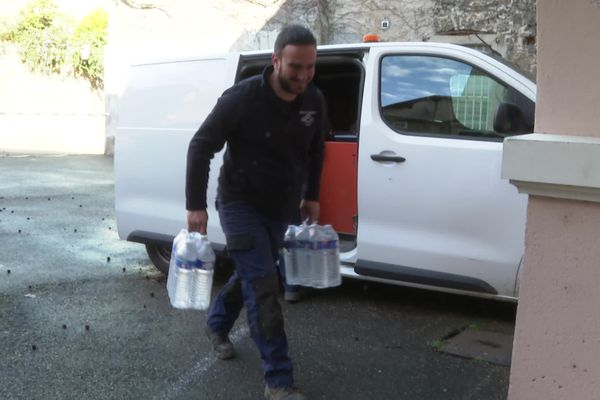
[411, 179]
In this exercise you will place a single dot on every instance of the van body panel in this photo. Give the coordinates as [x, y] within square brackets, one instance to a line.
[159, 112]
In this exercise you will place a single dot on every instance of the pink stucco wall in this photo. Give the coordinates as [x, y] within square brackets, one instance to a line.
[557, 336]
[556, 353]
[568, 78]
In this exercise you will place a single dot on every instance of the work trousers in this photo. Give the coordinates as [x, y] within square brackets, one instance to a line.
[253, 242]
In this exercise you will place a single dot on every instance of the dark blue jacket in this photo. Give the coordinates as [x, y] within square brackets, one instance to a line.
[274, 152]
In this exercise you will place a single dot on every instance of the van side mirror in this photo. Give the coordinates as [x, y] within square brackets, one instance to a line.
[510, 119]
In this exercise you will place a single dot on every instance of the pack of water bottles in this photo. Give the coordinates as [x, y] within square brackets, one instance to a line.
[312, 256]
[190, 279]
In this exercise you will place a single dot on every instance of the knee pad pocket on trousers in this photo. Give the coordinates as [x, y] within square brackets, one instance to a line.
[268, 309]
[240, 242]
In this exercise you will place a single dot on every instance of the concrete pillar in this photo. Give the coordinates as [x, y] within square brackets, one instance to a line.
[557, 336]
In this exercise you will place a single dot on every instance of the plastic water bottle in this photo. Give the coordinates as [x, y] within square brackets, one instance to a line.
[303, 255]
[205, 252]
[331, 257]
[202, 273]
[317, 259]
[315, 256]
[172, 277]
[289, 252]
[183, 263]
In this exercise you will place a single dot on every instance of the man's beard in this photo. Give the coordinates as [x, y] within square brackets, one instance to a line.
[285, 85]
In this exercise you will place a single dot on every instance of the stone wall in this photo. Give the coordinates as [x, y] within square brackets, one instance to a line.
[49, 114]
[157, 27]
[511, 22]
[508, 26]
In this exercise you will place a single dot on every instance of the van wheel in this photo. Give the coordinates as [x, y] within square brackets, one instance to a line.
[160, 256]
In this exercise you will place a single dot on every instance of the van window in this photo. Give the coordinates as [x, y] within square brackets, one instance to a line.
[436, 96]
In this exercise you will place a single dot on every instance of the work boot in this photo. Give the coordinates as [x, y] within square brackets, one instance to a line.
[296, 294]
[221, 345]
[292, 297]
[289, 393]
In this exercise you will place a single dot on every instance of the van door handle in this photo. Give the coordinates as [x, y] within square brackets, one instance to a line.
[385, 157]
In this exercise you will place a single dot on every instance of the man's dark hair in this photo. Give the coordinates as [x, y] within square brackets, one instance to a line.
[296, 35]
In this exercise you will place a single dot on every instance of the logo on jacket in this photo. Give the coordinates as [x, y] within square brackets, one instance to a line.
[307, 117]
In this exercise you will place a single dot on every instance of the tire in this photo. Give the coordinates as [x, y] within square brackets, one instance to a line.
[224, 267]
[160, 255]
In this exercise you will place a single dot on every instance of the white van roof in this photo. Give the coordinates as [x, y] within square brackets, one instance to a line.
[171, 55]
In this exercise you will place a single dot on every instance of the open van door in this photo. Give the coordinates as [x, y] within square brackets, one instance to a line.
[433, 209]
[164, 104]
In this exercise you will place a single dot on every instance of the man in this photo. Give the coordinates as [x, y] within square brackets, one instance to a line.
[273, 125]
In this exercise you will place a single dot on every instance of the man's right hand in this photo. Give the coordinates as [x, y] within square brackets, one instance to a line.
[197, 221]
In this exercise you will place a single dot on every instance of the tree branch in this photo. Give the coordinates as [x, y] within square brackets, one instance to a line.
[145, 6]
[262, 3]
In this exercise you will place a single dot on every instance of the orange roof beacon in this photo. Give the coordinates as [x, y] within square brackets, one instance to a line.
[370, 38]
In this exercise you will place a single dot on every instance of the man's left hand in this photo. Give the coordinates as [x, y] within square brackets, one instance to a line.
[309, 209]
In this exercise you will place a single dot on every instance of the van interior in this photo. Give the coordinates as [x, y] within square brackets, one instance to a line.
[340, 77]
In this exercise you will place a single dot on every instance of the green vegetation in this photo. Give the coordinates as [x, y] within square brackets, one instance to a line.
[51, 42]
[475, 326]
[89, 40]
[437, 344]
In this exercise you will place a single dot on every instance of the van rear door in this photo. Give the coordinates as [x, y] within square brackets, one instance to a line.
[433, 209]
[162, 107]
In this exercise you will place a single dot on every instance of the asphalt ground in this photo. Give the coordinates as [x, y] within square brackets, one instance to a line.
[84, 315]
